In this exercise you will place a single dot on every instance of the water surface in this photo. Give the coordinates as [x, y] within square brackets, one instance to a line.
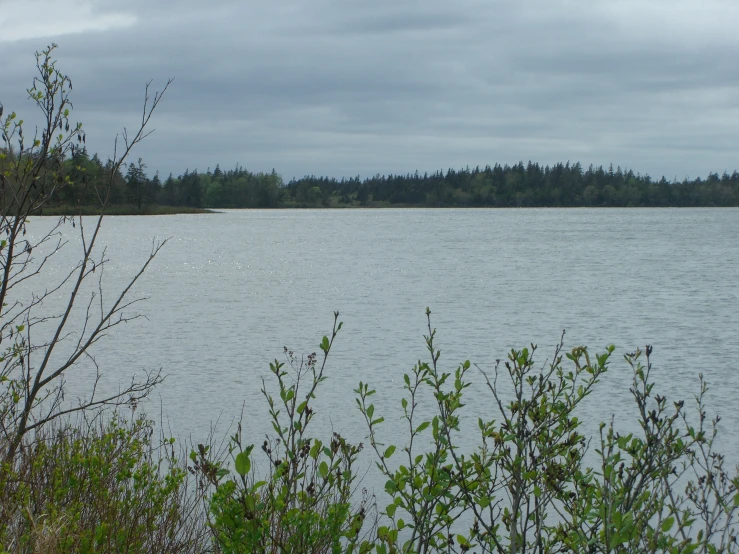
[229, 290]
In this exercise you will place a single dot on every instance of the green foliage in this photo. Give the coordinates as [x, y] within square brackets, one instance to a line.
[305, 502]
[519, 185]
[526, 486]
[98, 486]
[32, 169]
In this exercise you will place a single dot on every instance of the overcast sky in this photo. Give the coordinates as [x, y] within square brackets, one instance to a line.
[347, 87]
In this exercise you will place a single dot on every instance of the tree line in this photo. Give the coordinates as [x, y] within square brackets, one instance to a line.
[519, 185]
[530, 185]
[133, 188]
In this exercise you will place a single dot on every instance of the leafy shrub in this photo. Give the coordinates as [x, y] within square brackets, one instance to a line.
[305, 503]
[98, 485]
[525, 487]
[102, 485]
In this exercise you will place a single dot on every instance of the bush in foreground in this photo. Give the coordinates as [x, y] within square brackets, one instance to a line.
[99, 485]
[524, 488]
[103, 485]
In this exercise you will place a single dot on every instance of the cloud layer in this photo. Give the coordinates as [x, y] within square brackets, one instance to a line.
[341, 88]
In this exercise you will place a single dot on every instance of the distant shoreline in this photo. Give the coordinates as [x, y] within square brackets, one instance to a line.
[185, 210]
[58, 211]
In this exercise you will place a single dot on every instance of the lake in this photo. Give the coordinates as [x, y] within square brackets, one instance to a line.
[229, 290]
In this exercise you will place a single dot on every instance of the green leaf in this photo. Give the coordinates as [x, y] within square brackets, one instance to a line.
[389, 451]
[258, 485]
[423, 426]
[243, 463]
[325, 344]
[667, 524]
[323, 469]
[736, 499]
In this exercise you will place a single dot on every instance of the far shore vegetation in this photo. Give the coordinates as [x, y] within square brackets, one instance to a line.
[119, 209]
[135, 191]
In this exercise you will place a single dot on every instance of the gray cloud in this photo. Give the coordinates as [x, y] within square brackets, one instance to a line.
[340, 87]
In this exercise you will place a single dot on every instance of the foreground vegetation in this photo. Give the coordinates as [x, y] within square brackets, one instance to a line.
[100, 483]
[93, 476]
[525, 486]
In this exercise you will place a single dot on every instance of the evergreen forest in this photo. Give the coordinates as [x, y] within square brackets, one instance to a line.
[135, 190]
